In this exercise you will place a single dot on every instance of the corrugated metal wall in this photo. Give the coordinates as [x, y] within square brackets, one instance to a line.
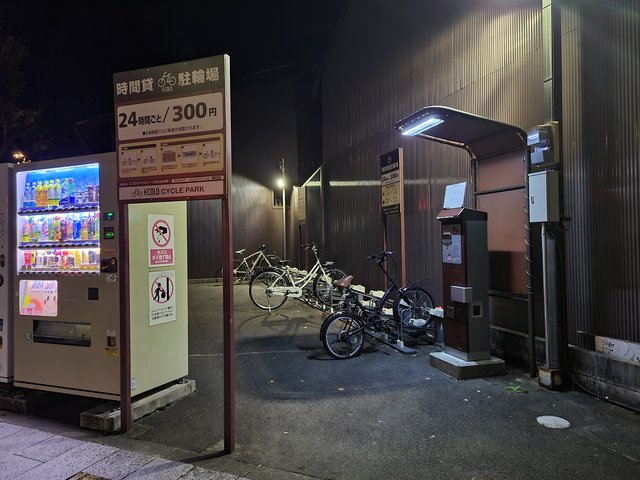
[252, 227]
[390, 59]
[601, 85]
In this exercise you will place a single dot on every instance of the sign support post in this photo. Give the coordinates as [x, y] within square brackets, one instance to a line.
[173, 143]
[392, 184]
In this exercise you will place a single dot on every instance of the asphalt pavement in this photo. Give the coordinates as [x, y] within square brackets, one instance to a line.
[302, 415]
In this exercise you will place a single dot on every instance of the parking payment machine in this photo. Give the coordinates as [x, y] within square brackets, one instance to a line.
[465, 280]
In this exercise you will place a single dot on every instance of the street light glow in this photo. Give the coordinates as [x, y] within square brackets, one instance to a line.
[280, 183]
[422, 126]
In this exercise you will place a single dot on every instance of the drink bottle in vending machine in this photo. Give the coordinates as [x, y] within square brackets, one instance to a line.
[65, 303]
[67, 311]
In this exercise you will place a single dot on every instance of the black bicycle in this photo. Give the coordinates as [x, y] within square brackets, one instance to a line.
[343, 332]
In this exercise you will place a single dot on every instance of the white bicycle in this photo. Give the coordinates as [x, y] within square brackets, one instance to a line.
[245, 267]
[270, 288]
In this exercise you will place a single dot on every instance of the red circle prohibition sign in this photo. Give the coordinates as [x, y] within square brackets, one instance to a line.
[161, 233]
[162, 289]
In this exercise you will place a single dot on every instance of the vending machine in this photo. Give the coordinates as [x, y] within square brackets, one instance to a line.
[68, 270]
[6, 273]
[66, 301]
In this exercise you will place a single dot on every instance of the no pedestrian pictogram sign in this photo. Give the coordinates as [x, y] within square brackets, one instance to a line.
[160, 240]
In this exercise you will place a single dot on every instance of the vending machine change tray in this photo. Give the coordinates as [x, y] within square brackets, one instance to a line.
[62, 333]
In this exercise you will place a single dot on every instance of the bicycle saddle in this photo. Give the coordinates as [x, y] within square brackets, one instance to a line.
[343, 282]
[239, 252]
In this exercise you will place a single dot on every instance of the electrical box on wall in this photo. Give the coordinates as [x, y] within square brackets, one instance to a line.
[544, 204]
[543, 143]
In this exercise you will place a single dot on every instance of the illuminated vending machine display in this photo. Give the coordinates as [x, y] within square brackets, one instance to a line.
[67, 305]
[6, 276]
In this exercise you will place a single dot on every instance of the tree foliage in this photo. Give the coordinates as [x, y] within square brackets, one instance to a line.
[17, 122]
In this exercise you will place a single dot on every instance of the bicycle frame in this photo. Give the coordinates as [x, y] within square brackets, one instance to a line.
[245, 260]
[361, 319]
[298, 285]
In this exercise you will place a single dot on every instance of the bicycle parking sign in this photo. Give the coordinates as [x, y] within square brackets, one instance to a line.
[391, 181]
[171, 130]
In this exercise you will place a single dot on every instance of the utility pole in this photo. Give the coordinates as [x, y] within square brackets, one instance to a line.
[284, 213]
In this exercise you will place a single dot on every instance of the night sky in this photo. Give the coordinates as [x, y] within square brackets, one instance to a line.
[75, 47]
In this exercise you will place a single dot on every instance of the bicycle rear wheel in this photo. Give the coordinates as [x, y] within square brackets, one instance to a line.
[323, 287]
[261, 289]
[274, 260]
[412, 307]
[342, 335]
[240, 272]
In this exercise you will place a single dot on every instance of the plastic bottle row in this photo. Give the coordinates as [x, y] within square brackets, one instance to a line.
[73, 260]
[61, 228]
[58, 193]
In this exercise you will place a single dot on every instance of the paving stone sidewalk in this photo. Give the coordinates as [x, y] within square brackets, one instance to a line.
[31, 454]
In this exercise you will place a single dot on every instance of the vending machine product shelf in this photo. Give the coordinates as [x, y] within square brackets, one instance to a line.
[66, 312]
[68, 274]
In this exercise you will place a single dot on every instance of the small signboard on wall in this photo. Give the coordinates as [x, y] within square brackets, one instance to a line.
[160, 242]
[391, 181]
[162, 300]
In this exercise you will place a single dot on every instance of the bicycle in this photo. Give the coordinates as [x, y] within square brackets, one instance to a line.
[247, 267]
[343, 332]
[270, 288]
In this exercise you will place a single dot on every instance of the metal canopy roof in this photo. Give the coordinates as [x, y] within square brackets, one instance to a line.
[480, 136]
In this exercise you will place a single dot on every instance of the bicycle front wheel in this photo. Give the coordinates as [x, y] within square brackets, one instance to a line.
[323, 287]
[261, 289]
[412, 306]
[342, 335]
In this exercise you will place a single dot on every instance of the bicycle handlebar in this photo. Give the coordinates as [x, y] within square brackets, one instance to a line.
[380, 258]
[311, 245]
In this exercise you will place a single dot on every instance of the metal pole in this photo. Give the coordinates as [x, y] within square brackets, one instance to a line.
[227, 282]
[284, 213]
[545, 292]
[533, 370]
[126, 416]
[403, 243]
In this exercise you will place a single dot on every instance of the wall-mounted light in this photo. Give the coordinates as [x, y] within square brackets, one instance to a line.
[424, 125]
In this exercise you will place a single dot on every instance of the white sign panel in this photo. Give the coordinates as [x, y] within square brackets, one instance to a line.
[618, 348]
[391, 181]
[160, 241]
[454, 195]
[196, 114]
[162, 299]
[182, 191]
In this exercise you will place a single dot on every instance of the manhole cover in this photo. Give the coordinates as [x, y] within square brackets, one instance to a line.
[550, 421]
